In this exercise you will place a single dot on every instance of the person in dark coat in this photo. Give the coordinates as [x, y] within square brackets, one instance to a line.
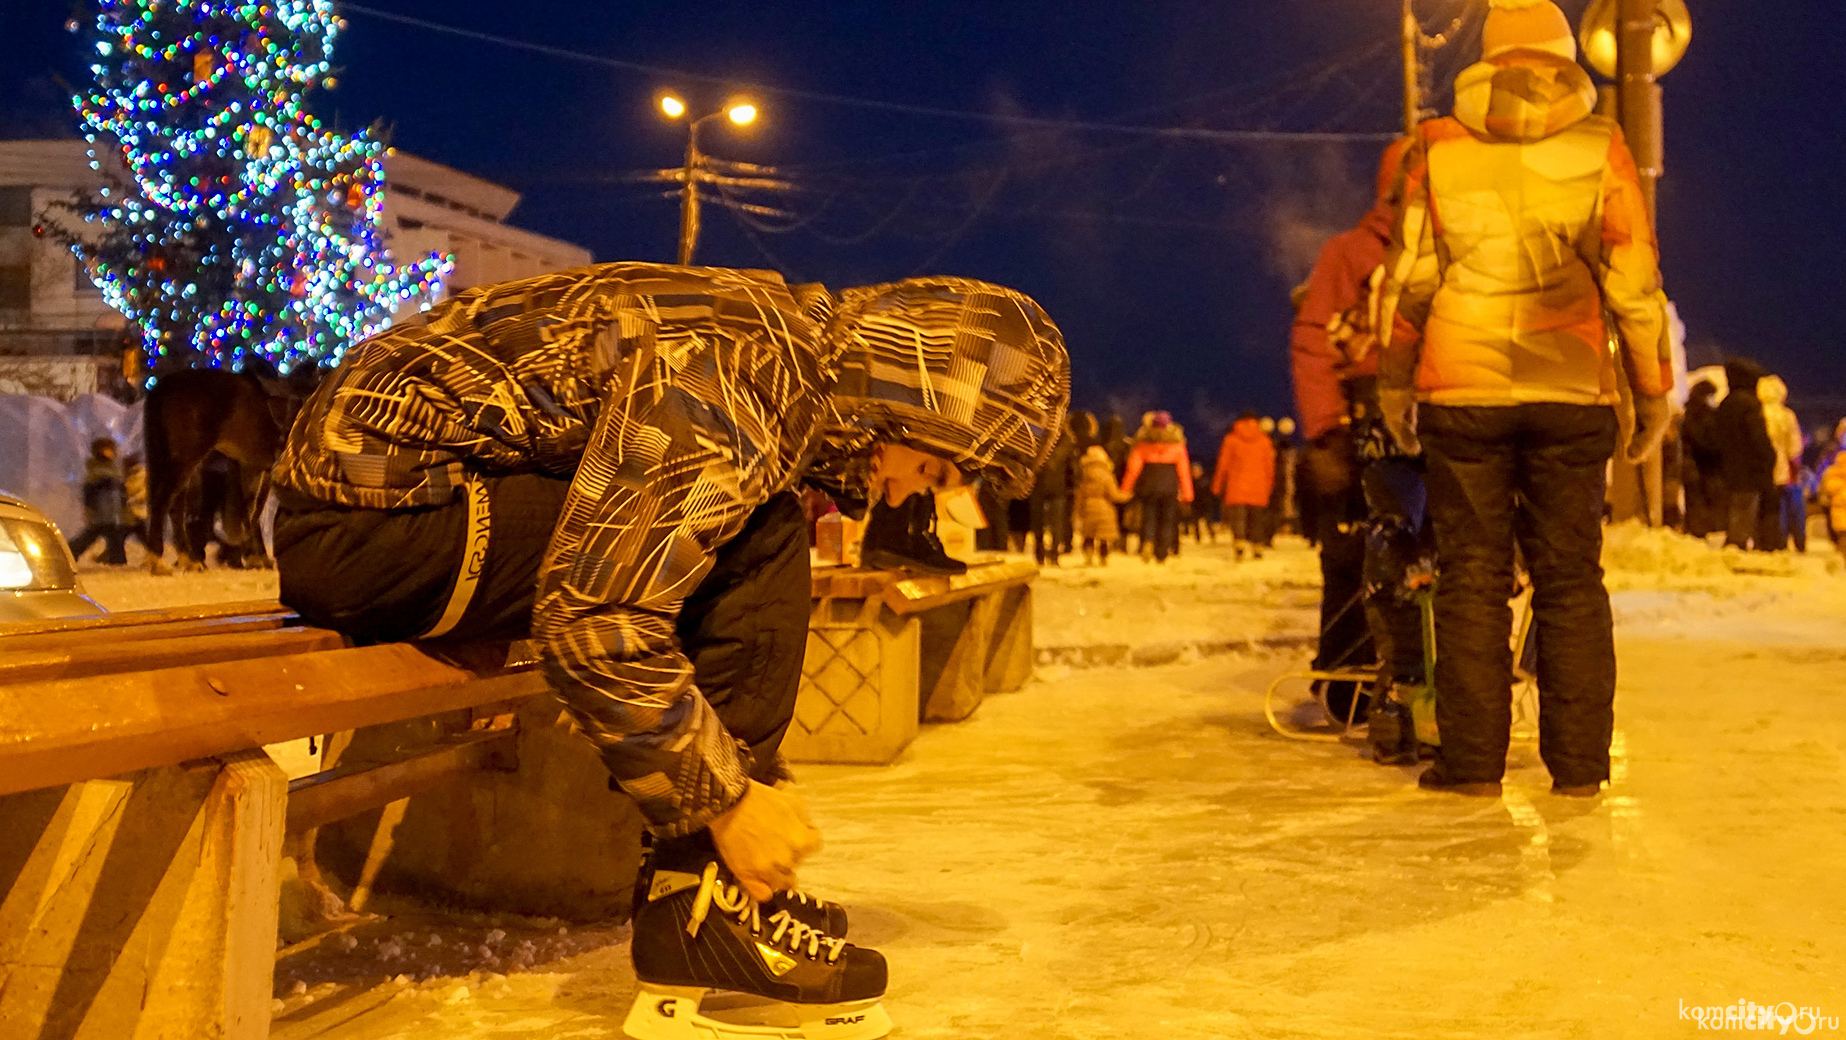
[1116, 444]
[1049, 506]
[105, 505]
[1701, 469]
[1746, 456]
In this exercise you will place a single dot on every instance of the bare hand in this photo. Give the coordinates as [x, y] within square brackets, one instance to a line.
[1652, 417]
[763, 838]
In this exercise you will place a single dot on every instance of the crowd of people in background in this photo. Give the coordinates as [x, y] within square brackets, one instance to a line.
[1746, 469]
[1105, 491]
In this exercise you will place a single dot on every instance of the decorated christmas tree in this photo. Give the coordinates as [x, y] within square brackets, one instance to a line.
[234, 224]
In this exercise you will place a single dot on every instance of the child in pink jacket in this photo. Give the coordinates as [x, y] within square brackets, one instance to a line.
[1160, 476]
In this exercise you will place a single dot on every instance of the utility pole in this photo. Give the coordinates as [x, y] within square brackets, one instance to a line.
[689, 198]
[740, 113]
[1641, 109]
[1413, 71]
[1638, 93]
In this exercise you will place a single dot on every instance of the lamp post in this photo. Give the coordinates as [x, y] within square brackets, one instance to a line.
[740, 113]
[1413, 72]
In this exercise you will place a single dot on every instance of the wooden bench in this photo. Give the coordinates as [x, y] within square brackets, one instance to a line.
[143, 830]
[886, 651]
[149, 845]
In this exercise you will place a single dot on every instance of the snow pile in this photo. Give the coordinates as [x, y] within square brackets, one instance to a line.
[421, 965]
[420, 945]
[1634, 554]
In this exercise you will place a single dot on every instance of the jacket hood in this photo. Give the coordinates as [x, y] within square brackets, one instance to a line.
[1096, 455]
[1171, 433]
[1743, 376]
[1523, 96]
[1248, 430]
[1771, 390]
[968, 370]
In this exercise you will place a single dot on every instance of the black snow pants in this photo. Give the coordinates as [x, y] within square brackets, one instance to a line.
[1397, 539]
[1534, 473]
[113, 536]
[1160, 525]
[1744, 521]
[1345, 637]
[385, 576]
[1050, 526]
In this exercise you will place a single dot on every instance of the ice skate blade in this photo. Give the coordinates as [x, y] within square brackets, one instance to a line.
[674, 1013]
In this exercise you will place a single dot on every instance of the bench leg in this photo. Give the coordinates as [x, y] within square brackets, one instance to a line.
[1010, 658]
[143, 906]
[962, 681]
[858, 699]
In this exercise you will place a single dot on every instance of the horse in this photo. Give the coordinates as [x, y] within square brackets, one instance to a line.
[211, 438]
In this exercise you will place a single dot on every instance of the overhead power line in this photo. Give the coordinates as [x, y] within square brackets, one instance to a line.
[924, 111]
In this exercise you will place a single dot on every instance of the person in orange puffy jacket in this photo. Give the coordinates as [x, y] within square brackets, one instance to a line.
[1833, 496]
[1245, 479]
[1524, 252]
[1160, 476]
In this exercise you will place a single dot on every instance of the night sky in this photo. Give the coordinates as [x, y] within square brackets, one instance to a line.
[1166, 261]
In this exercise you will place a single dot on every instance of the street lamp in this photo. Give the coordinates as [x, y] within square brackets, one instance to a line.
[740, 113]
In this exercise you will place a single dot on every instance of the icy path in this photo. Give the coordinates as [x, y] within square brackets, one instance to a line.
[1131, 852]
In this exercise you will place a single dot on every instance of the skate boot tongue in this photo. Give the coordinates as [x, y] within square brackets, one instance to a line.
[730, 898]
[689, 854]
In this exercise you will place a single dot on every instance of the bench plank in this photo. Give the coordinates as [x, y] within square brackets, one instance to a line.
[126, 619]
[65, 730]
[915, 595]
[104, 658]
[350, 789]
[93, 635]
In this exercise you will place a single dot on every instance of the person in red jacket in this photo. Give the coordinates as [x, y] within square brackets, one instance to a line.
[1245, 479]
[1366, 493]
[1160, 475]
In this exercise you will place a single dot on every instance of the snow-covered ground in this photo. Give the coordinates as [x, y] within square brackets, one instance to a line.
[1131, 852]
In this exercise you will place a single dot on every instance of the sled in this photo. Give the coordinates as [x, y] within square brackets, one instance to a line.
[1334, 729]
[1420, 698]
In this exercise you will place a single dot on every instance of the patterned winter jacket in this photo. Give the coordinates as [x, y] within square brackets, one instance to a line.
[680, 398]
[1523, 221]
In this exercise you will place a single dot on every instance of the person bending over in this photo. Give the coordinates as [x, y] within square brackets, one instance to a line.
[609, 458]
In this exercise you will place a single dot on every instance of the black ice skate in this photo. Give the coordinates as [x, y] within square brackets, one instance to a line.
[696, 932]
[903, 538]
[690, 854]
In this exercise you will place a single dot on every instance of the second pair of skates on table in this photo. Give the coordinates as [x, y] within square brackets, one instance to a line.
[715, 964]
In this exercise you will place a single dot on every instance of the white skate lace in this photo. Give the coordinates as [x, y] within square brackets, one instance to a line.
[730, 898]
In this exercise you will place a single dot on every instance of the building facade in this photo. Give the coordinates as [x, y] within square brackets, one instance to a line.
[59, 338]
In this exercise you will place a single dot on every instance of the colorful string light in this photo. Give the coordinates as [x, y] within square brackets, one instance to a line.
[250, 229]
